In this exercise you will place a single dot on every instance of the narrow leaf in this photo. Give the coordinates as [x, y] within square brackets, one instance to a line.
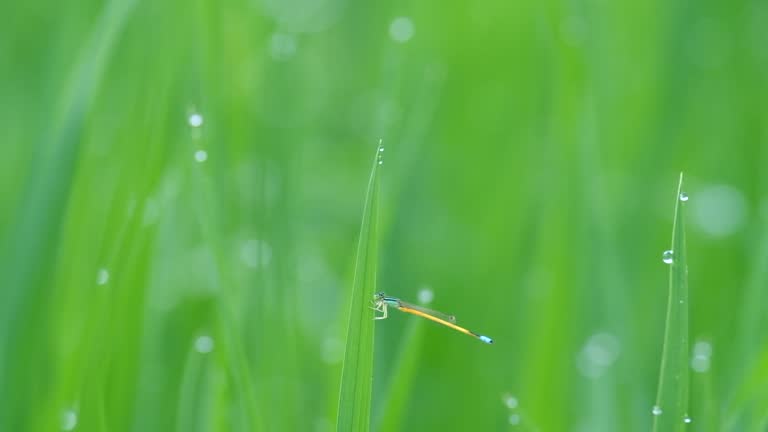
[400, 387]
[671, 409]
[357, 372]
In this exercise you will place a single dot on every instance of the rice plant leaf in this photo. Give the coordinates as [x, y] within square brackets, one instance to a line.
[393, 410]
[671, 409]
[747, 409]
[354, 412]
[28, 256]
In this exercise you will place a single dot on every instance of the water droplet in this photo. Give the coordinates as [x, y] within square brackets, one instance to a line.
[719, 210]
[201, 155]
[599, 353]
[703, 348]
[256, 253]
[68, 420]
[514, 419]
[667, 257]
[195, 120]
[282, 46]
[510, 401]
[204, 344]
[687, 419]
[683, 196]
[401, 29]
[702, 351]
[381, 162]
[102, 277]
[426, 296]
[656, 410]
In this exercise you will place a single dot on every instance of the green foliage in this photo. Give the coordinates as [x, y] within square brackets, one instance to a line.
[162, 273]
[357, 373]
[671, 409]
[396, 397]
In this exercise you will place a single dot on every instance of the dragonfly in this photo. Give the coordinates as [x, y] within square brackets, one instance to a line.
[381, 302]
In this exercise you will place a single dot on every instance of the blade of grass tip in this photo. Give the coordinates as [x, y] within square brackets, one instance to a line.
[354, 412]
[671, 409]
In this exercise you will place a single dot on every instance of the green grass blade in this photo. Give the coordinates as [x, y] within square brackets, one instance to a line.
[671, 409]
[28, 256]
[354, 412]
[747, 409]
[390, 414]
[751, 338]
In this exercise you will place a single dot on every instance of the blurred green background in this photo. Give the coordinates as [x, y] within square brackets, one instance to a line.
[182, 185]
